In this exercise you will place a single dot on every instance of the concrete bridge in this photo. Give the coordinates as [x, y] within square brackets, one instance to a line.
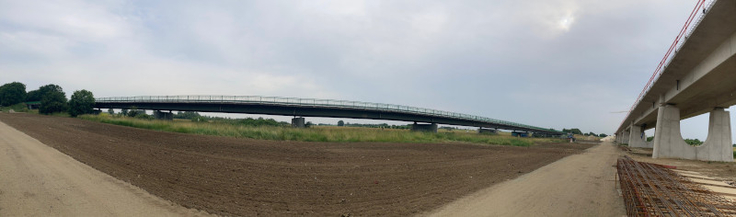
[696, 76]
[424, 119]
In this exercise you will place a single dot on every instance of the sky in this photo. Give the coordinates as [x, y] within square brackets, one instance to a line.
[547, 63]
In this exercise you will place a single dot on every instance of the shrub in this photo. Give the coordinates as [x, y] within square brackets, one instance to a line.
[82, 102]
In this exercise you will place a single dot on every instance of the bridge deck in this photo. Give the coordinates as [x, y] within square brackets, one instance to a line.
[310, 108]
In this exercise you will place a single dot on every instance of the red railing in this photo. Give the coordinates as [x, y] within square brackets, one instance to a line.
[658, 71]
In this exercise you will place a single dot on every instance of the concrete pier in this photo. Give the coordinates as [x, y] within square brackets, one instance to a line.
[158, 114]
[424, 127]
[668, 142]
[298, 122]
[637, 138]
[487, 131]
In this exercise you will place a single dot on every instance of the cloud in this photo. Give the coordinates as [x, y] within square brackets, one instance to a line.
[559, 63]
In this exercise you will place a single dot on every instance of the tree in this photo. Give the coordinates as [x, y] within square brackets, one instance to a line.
[33, 96]
[37, 95]
[576, 131]
[340, 123]
[82, 102]
[134, 112]
[54, 101]
[124, 112]
[603, 135]
[12, 93]
[112, 112]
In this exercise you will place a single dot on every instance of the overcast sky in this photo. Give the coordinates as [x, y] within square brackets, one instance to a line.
[547, 63]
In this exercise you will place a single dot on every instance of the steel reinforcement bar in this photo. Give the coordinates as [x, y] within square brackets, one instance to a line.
[653, 190]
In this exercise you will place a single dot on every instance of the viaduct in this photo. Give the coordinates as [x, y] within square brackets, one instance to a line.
[424, 119]
[696, 76]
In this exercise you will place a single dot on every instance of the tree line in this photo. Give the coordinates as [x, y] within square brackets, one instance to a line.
[51, 97]
[577, 131]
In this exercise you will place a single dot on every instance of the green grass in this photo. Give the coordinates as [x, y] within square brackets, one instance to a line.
[315, 134]
[20, 107]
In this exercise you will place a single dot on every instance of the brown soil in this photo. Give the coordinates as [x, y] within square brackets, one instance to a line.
[720, 170]
[231, 176]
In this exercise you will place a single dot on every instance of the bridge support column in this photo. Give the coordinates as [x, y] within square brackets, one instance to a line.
[487, 131]
[424, 127]
[158, 114]
[625, 136]
[668, 142]
[637, 138]
[298, 122]
[717, 146]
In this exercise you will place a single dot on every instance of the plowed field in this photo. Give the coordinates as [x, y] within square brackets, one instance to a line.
[244, 177]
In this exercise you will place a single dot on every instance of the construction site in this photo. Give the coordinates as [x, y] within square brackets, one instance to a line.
[654, 189]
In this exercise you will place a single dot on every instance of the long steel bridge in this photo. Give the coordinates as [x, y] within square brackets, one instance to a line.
[304, 107]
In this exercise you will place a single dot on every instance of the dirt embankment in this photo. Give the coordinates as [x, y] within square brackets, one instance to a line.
[232, 176]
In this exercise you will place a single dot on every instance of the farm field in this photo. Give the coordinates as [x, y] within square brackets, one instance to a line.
[240, 176]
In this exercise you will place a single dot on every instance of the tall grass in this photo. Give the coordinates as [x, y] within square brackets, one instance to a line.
[314, 134]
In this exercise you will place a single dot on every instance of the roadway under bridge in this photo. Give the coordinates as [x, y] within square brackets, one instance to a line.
[424, 119]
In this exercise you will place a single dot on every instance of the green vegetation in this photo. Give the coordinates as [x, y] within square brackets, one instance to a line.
[693, 142]
[82, 102]
[12, 93]
[245, 129]
[20, 107]
[573, 131]
[53, 102]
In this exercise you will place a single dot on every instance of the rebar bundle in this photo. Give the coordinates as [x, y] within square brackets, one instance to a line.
[653, 190]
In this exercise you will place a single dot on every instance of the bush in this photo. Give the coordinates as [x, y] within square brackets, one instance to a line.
[52, 102]
[82, 102]
[12, 93]
[143, 115]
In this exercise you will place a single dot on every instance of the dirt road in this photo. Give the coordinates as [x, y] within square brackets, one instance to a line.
[37, 180]
[578, 185]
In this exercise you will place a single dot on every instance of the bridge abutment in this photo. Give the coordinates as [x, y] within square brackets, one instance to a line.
[668, 142]
[424, 127]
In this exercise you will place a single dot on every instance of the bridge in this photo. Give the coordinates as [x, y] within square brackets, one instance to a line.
[300, 108]
[696, 76]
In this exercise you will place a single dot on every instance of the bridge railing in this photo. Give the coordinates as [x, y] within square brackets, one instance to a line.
[681, 38]
[309, 102]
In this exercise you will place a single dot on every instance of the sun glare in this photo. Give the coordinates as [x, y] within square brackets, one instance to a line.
[566, 22]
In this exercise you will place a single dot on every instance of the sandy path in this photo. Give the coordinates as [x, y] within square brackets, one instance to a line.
[578, 185]
[37, 180]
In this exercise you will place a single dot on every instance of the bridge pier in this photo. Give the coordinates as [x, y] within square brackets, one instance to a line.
[298, 122]
[158, 114]
[637, 138]
[487, 131]
[668, 142]
[625, 137]
[424, 127]
[519, 133]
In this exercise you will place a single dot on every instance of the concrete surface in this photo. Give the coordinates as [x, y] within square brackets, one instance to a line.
[668, 142]
[637, 139]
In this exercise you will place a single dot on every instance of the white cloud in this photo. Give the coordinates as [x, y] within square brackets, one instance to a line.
[495, 58]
